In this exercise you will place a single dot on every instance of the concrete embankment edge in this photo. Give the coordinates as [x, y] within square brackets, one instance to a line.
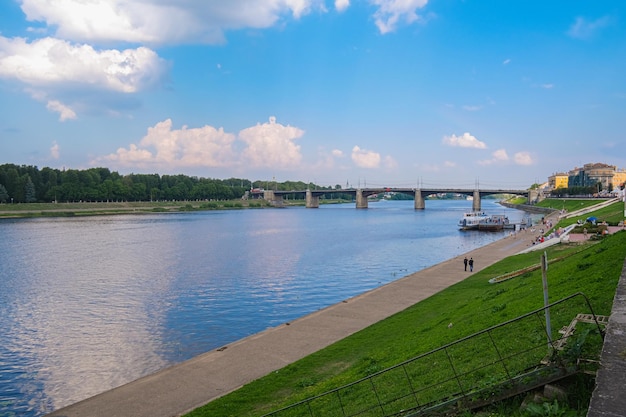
[188, 385]
[608, 399]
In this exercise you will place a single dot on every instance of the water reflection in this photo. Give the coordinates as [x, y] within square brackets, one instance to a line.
[90, 304]
[83, 315]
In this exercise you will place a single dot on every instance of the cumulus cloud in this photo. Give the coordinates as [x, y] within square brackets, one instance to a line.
[499, 155]
[523, 158]
[158, 21]
[166, 147]
[264, 145]
[392, 12]
[55, 152]
[342, 5]
[390, 162]
[337, 153]
[65, 113]
[364, 158]
[69, 76]
[585, 29]
[271, 145]
[464, 141]
[191, 21]
[49, 61]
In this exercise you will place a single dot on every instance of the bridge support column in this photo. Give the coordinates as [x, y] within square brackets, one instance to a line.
[419, 203]
[476, 201]
[275, 200]
[312, 201]
[361, 201]
[533, 196]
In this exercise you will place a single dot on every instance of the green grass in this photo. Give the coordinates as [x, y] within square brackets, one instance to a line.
[612, 215]
[471, 305]
[103, 208]
[567, 203]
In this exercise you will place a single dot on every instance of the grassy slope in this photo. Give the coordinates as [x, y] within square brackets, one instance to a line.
[471, 305]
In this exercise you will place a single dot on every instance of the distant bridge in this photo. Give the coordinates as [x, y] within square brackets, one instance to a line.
[361, 194]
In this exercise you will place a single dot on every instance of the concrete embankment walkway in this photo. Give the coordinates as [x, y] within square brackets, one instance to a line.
[188, 385]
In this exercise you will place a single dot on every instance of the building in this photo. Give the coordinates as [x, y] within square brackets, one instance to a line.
[558, 180]
[604, 177]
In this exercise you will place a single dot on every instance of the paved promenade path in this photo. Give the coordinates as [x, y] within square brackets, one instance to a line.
[181, 388]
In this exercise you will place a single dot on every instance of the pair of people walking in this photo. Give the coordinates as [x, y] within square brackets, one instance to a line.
[469, 263]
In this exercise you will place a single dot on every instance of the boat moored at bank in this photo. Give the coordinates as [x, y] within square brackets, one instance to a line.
[471, 220]
[495, 223]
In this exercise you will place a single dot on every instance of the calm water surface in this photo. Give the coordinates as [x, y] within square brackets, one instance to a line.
[88, 304]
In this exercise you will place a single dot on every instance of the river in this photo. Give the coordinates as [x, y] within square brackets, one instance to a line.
[88, 304]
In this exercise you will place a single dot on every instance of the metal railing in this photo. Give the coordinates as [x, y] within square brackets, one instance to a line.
[471, 371]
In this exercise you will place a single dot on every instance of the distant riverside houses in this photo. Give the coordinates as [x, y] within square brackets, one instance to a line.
[609, 177]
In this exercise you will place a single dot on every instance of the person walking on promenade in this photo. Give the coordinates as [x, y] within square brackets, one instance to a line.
[471, 264]
[465, 263]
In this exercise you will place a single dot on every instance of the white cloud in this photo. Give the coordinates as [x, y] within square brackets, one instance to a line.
[547, 86]
[55, 152]
[501, 156]
[342, 5]
[364, 158]
[497, 156]
[164, 147]
[49, 62]
[506, 61]
[159, 21]
[65, 113]
[337, 153]
[585, 29]
[523, 158]
[472, 108]
[271, 145]
[66, 75]
[464, 141]
[390, 162]
[391, 12]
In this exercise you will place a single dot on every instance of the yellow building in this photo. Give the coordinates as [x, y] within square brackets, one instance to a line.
[619, 178]
[558, 180]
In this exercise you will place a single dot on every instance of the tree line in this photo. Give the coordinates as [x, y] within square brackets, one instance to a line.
[29, 184]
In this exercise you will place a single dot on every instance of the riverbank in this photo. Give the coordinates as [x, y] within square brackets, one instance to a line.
[188, 385]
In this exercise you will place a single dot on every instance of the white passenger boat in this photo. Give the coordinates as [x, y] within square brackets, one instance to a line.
[472, 219]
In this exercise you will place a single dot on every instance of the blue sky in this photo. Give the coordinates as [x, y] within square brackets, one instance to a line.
[349, 92]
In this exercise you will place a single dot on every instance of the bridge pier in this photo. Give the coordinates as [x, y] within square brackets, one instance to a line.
[476, 201]
[312, 201]
[361, 200]
[275, 200]
[419, 203]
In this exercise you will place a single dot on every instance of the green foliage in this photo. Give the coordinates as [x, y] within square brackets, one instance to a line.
[4, 195]
[547, 409]
[423, 327]
[27, 184]
[29, 191]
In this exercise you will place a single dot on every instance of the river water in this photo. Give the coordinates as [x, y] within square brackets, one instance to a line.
[88, 304]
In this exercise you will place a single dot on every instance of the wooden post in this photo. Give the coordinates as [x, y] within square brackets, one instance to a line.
[546, 302]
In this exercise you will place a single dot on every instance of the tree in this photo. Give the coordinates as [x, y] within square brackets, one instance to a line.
[4, 195]
[30, 196]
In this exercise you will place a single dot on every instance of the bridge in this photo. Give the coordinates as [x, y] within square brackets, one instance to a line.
[361, 195]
